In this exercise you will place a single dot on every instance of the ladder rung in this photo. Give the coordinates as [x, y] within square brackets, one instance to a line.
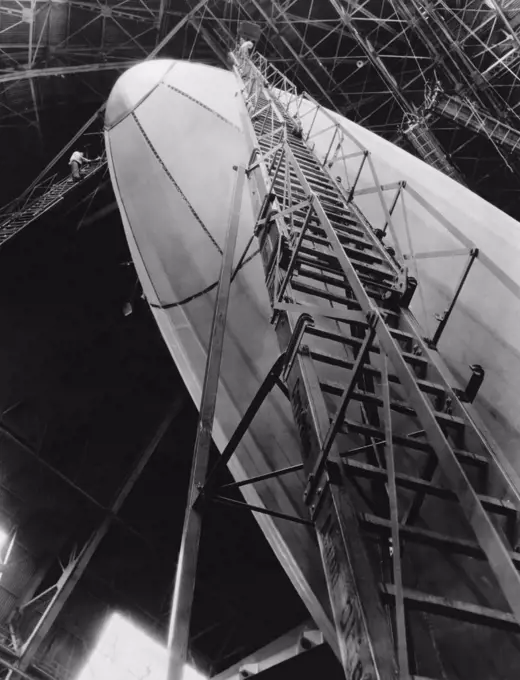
[307, 270]
[415, 360]
[307, 289]
[326, 358]
[361, 254]
[316, 182]
[310, 166]
[319, 180]
[454, 609]
[351, 240]
[347, 229]
[332, 261]
[367, 471]
[329, 202]
[409, 357]
[397, 406]
[338, 337]
[352, 427]
[330, 199]
[301, 287]
[431, 538]
[337, 213]
[303, 154]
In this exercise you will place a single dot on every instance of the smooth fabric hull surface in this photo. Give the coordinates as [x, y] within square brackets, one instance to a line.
[171, 160]
[174, 136]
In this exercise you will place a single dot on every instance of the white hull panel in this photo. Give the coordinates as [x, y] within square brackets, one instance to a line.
[485, 325]
[173, 137]
[172, 144]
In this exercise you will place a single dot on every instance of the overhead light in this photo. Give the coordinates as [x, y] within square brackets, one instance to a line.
[124, 651]
[6, 548]
[4, 537]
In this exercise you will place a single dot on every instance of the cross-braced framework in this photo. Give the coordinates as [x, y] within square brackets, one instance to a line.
[383, 57]
[374, 61]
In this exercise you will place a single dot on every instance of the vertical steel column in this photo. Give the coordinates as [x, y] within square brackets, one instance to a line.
[394, 204]
[400, 621]
[182, 601]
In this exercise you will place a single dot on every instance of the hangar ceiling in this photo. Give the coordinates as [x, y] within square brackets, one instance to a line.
[439, 77]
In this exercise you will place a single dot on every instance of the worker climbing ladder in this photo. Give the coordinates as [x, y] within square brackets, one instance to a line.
[42, 198]
[357, 367]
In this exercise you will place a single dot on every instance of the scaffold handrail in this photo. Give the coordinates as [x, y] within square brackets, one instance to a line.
[274, 78]
[260, 78]
[42, 198]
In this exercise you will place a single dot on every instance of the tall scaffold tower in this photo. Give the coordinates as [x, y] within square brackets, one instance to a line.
[407, 492]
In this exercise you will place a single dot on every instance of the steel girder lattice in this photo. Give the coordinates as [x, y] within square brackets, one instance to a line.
[370, 60]
[375, 60]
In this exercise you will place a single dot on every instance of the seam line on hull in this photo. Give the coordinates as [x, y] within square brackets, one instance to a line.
[203, 291]
[172, 180]
[134, 108]
[124, 214]
[204, 106]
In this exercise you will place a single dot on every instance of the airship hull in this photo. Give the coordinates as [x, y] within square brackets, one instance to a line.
[173, 165]
[175, 137]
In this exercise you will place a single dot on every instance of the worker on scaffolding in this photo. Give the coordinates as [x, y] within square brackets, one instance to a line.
[244, 54]
[297, 127]
[245, 48]
[76, 162]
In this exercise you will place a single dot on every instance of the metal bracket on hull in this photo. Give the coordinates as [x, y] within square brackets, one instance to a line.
[444, 318]
[269, 382]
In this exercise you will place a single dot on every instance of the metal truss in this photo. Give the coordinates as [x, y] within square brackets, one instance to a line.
[40, 39]
[32, 74]
[374, 62]
[475, 118]
[419, 134]
[370, 61]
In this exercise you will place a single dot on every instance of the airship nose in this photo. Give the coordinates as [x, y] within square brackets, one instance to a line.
[133, 87]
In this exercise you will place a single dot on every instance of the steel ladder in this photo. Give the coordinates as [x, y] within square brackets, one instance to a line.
[14, 222]
[402, 486]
